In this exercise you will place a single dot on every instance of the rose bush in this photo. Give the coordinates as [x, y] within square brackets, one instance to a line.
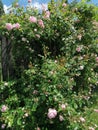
[54, 56]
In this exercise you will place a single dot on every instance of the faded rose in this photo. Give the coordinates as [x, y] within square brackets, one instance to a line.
[4, 108]
[82, 119]
[47, 14]
[40, 23]
[61, 118]
[52, 113]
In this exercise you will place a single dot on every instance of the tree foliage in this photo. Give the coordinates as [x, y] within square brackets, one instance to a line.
[1, 8]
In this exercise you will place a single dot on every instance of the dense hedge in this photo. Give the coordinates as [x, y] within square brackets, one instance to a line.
[54, 59]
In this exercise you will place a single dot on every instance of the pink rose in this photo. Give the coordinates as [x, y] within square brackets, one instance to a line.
[96, 59]
[29, 1]
[82, 119]
[52, 113]
[91, 128]
[40, 23]
[3, 126]
[64, 4]
[4, 108]
[16, 25]
[63, 106]
[38, 128]
[96, 110]
[47, 14]
[9, 26]
[33, 19]
[61, 118]
[78, 49]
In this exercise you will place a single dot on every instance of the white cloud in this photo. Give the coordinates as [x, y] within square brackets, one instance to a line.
[35, 5]
[6, 8]
[39, 6]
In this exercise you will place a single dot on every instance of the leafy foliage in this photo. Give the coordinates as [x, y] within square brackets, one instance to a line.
[55, 61]
[1, 8]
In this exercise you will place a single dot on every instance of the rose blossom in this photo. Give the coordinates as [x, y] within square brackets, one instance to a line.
[9, 26]
[81, 67]
[26, 115]
[64, 4]
[6, 84]
[33, 19]
[3, 126]
[38, 128]
[44, 7]
[35, 30]
[29, 1]
[37, 35]
[35, 92]
[79, 37]
[61, 118]
[63, 106]
[96, 110]
[4, 108]
[91, 128]
[40, 23]
[24, 39]
[16, 25]
[47, 14]
[82, 119]
[52, 113]
[96, 59]
[78, 49]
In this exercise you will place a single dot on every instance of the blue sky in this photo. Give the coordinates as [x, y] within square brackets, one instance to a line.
[22, 2]
[36, 3]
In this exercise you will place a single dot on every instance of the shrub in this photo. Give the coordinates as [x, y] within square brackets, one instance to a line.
[54, 56]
